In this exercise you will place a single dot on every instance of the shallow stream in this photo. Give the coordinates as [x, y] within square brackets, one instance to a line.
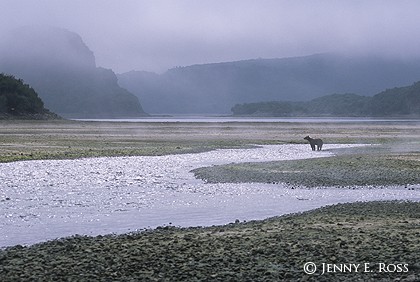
[43, 200]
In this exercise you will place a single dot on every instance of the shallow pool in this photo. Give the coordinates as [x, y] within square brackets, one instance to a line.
[43, 200]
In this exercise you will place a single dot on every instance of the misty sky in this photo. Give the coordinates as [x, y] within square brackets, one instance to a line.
[155, 35]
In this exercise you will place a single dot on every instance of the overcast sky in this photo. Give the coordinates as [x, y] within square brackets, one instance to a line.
[155, 35]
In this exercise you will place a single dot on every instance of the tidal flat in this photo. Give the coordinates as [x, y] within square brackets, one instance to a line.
[273, 249]
[65, 139]
[383, 236]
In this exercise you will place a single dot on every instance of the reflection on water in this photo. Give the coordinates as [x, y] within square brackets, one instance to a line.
[41, 200]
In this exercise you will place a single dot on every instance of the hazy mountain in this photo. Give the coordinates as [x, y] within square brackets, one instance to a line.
[62, 70]
[215, 88]
[396, 102]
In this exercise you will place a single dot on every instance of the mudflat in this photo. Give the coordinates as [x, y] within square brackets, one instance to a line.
[63, 139]
[348, 242]
[375, 241]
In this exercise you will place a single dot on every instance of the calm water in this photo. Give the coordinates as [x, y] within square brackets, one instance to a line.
[215, 119]
[43, 200]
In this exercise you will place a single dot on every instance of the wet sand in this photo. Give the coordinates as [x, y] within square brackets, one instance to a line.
[384, 235]
[28, 140]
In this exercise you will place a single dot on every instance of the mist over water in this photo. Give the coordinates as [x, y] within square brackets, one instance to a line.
[222, 119]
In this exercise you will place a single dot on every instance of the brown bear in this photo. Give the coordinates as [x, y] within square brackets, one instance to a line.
[314, 142]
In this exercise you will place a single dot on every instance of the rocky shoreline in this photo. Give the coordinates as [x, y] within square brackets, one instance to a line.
[382, 236]
[46, 115]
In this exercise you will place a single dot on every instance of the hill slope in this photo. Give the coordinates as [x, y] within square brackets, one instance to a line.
[214, 88]
[396, 102]
[62, 69]
[19, 100]
[399, 101]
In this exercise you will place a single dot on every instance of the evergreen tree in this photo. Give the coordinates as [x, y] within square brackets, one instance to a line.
[18, 99]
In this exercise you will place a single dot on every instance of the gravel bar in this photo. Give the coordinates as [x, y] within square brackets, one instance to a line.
[383, 238]
[370, 169]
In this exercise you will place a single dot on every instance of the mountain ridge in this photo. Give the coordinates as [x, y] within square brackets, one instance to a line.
[62, 69]
[216, 87]
[395, 102]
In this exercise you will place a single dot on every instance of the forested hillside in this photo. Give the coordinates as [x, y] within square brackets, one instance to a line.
[396, 102]
[19, 100]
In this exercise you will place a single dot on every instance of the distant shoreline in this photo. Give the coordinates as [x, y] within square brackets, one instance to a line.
[244, 119]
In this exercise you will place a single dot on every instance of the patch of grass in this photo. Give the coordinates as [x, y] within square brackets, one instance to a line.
[343, 170]
[28, 140]
[59, 139]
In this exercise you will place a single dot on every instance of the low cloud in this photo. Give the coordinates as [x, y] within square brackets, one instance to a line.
[157, 35]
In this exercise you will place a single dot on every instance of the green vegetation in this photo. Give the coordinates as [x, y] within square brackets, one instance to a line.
[63, 139]
[402, 101]
[393, 159]
[349, 105]
[398, 101]
[339, 171]
[274, 249]
[19, 100]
